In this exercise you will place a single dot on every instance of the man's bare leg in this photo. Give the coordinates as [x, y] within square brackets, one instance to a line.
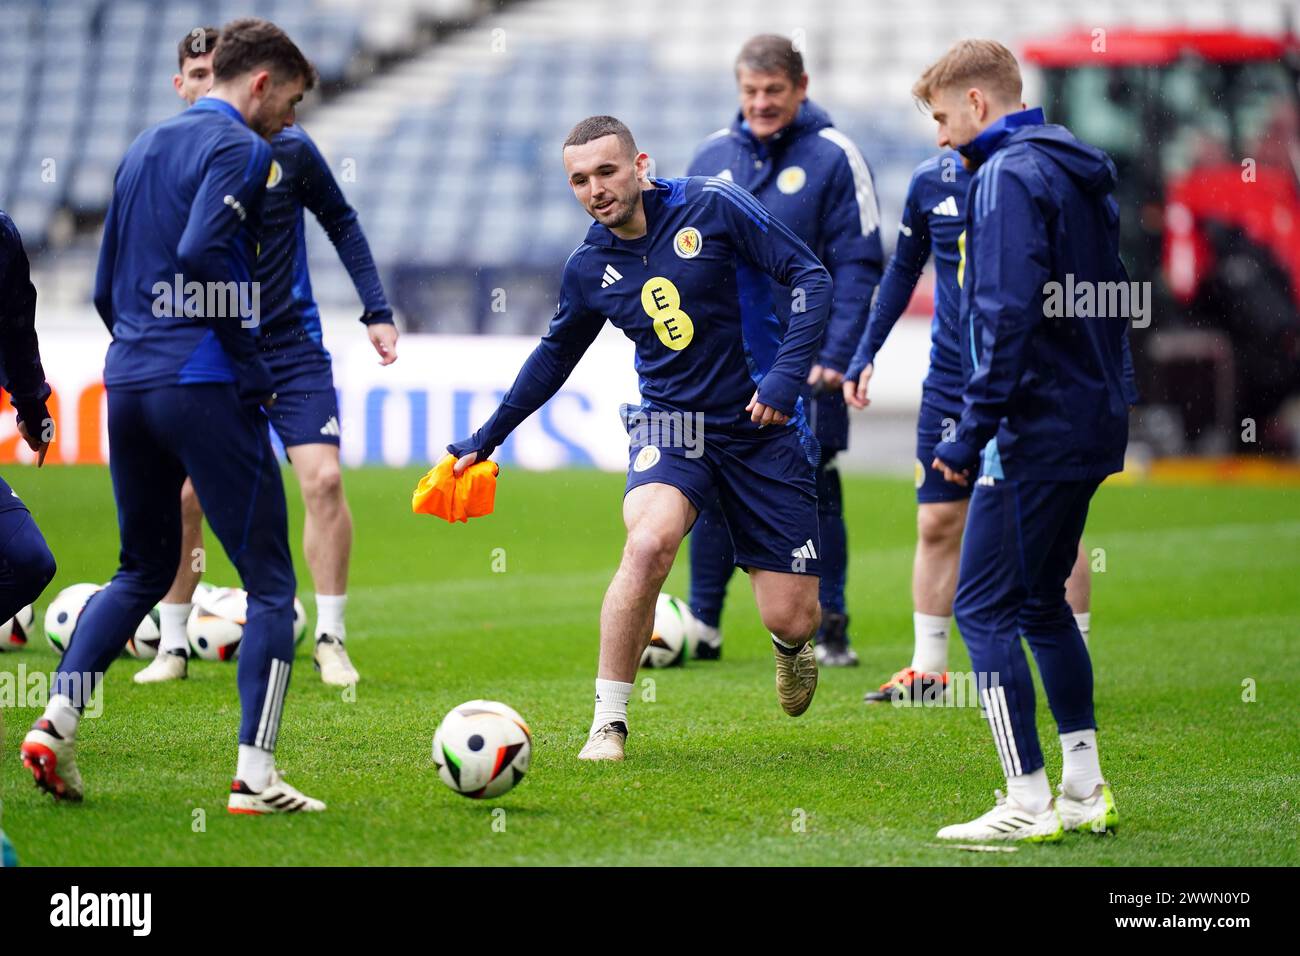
[657, 517]
[1078, 591]
[171, 663]
[788, 604]
[190, 569]
[939, 527]
[327, 546]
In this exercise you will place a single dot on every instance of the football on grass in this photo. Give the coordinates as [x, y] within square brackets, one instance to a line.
[61, 616]
[668, 645]
[144, 642]
[216, 625]
[482, 749]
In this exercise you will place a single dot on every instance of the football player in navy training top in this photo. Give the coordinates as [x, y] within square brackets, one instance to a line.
[187, 393]
[1044, 420]
[933, 221]
[783, 148]
[684, 268]
[305, 414]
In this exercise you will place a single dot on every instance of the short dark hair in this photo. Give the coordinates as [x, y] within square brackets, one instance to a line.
[250, 43]
[769, 53]
[594, 127]
[198, 42]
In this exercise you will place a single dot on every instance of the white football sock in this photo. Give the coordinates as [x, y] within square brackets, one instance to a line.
[930, 652]
[1080, 764]
[611, 703]
[172, 619]
[255, 767]
[63, 715]
[329, 614]
[1084, 621]
[1030, 790]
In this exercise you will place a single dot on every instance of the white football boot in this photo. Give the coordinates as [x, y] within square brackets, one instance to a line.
[1095, 813]
[331, 659]
[169, 665]
[52, 760]
[606, 743]
[278, 797]
[1007, 821]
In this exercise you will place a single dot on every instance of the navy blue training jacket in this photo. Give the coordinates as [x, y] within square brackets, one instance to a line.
[187, 202]
[1053, 390]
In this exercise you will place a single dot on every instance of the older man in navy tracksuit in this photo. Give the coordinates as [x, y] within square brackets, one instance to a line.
[1046, 406]
[784, 150]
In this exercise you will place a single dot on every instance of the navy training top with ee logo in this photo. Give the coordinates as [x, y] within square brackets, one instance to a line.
[694, 295]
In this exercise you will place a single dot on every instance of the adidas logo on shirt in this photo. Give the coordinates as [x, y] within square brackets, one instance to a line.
[611, 276]
[946, 208]
[807, 551]
[331, 427]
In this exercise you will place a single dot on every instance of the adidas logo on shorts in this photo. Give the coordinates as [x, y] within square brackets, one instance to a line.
[807, 551]
[331, 427]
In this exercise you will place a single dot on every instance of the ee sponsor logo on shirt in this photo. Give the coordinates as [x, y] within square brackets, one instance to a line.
[663, 303]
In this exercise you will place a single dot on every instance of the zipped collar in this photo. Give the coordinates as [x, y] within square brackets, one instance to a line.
[988, 142]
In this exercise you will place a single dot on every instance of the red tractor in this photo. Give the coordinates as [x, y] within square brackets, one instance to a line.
[1204, 129]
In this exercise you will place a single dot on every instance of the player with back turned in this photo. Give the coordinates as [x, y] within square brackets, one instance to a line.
[306, 413]
[783, 148]
[1045, 404]
[187, 392]
[682, 267]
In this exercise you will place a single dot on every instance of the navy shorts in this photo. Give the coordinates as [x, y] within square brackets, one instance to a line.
[940, 409]
[766, 487]
[306, 409]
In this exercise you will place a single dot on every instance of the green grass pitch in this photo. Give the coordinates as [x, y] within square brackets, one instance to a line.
[1199, 595]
